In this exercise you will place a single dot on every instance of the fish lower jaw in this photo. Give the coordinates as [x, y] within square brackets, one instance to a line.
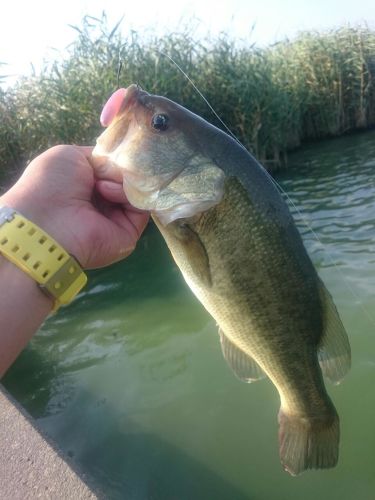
[177, 212]
[104, 168]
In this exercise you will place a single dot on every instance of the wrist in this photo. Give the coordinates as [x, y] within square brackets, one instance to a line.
[17, 280]
[41, 257]
[23, 308]
[40, 213]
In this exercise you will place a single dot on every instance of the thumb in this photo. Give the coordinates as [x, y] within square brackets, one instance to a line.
[104, 169]
[111, 191]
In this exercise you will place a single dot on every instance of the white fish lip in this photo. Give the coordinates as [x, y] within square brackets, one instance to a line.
[184, 210]
[143, 192]
[141, 199]
[183, 204]
[148, 200]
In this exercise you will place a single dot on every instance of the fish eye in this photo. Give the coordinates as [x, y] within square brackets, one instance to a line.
[160, 122]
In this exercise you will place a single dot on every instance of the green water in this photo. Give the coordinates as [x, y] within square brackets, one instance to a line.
[130, 380]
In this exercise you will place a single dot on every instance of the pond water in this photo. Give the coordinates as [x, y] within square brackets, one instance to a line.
[130, 380]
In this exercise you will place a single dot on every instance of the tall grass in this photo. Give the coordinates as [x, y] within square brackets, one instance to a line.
[317, 85]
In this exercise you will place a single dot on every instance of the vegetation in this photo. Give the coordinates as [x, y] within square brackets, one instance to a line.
[317, 85]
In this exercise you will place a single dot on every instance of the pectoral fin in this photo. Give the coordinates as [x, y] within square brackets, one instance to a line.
[195, 253]
[242, 365]
[334, 349]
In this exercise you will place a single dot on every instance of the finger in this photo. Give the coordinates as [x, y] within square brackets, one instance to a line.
[123, 213]
[133, 223]
[85, 150]
[104, 169]
[111, 191]
[114, 192]
[97, 161]
[139, 220]
[125, 232]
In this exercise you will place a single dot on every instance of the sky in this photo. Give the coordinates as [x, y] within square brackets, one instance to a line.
[33, 30]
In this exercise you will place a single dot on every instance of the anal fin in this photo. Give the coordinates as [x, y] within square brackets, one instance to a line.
[242, 365]
[334, 349]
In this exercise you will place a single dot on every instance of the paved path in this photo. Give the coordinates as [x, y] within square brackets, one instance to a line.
[31, 466]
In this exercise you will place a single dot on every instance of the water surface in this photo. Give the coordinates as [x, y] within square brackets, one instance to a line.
[130, 380]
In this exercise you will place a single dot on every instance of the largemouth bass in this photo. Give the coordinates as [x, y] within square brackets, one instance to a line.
[236, 244]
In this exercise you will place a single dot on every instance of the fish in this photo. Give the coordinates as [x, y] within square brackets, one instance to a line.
[235, 241]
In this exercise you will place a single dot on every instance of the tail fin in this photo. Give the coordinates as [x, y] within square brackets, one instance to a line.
[308, 443]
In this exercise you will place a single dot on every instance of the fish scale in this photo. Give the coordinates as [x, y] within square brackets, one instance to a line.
[239, 269]
[236, 244]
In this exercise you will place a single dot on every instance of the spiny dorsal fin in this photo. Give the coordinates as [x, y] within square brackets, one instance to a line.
[334, 349]
[242, 365]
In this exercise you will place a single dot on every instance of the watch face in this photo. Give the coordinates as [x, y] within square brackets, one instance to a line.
[6, 214]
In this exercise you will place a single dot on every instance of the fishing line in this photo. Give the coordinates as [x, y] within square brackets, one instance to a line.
[279, 188]
[201, 95]
[119, 68]
[330, 258]
[119, 64]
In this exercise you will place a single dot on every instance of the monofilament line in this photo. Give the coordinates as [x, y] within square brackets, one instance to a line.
[279, 188]
[201, 95]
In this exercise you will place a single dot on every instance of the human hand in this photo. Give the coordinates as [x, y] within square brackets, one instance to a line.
[90, 218]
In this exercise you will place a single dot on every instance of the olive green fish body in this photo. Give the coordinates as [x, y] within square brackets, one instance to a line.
[235, 241]
[265, 302]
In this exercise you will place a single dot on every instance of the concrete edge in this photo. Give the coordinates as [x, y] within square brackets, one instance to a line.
[31, 464]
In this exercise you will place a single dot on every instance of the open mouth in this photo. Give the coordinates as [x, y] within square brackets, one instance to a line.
[106, 151]
[144, 191]
[112, 107]
[114, 156]
[118, 102]
[124, 154]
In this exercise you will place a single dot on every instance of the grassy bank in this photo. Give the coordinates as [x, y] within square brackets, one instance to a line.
[274, 98]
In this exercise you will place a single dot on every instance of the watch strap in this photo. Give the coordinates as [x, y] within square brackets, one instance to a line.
[40, 256]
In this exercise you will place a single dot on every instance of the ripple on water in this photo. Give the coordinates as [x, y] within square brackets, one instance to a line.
[130, 379]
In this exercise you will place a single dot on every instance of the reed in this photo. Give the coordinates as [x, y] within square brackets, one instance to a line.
[320, 84]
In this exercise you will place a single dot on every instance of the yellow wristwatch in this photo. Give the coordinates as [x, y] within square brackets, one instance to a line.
[26, 245]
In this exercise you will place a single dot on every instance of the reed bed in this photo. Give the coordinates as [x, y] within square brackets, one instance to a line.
[320, 84]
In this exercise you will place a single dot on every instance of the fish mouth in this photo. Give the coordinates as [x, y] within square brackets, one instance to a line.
[187, 192]
[118, 106]
[116, 115]
[118, 103]
[178, 207]
[110, 157]
[132, 94]
[143, 191]
[186, 189]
